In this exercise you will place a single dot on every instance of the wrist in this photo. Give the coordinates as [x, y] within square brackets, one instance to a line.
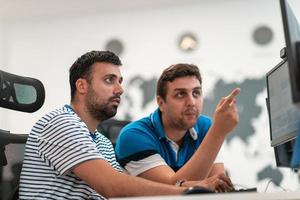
[218, 132]
[179, 183]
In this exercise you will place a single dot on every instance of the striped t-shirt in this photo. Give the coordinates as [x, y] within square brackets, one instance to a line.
[57, 142]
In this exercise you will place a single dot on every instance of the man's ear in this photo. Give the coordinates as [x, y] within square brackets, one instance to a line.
[81, 86]
[160, 102]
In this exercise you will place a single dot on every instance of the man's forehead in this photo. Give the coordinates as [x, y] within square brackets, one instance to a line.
[106, 69]
[185, 83]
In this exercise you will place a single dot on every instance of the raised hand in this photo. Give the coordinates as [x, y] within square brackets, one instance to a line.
[226, 115]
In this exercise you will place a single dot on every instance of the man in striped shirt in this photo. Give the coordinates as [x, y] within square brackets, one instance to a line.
[66, 158]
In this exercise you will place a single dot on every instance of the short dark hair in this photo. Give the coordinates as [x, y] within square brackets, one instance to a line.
[175, 71]
[82, 67]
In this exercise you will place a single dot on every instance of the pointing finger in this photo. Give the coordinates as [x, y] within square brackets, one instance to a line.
[234, 93]
[230, 98]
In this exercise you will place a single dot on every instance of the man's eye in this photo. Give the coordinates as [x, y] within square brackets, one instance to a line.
[179, 94]
[108, 80]
[197, 93]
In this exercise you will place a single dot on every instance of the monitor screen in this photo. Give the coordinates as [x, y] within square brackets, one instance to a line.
[283, 114]
[292, 37]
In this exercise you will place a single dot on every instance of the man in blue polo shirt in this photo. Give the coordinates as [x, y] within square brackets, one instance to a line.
[176, 144]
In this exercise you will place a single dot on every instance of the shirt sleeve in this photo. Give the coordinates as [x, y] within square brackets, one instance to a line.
[66, 142]
[135, 143]
[137, 167]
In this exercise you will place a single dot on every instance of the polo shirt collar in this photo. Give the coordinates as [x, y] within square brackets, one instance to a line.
[157, 123]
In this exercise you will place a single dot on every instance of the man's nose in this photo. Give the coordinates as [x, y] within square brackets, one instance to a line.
[190, 100]
[118, 89]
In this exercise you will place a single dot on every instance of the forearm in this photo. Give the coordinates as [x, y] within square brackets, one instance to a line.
[217, 168]
[199, 166]
[135, 186]
[108, 182]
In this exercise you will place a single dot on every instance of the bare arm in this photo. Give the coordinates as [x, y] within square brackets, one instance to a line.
[199, 166]
[218, 182]
[217, 168]
[104, 179]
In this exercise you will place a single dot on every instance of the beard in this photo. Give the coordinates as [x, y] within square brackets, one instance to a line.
[100, 109]
[182, 122]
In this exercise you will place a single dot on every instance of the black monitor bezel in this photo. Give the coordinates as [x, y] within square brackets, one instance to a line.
[283, 153]
[285, 138]
[292, 47]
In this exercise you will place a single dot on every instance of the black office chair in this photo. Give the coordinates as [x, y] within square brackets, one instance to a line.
[111, 128]
[11, 158]
[22, 94]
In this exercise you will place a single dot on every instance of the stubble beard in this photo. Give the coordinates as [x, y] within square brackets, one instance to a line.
[183, 124]
[99, 110]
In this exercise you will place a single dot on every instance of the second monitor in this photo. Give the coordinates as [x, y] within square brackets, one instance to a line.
[283, 114]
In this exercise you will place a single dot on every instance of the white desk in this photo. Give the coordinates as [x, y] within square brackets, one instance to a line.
[225, 196]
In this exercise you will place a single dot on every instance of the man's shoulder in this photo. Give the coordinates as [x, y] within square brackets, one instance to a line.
[204, 119]
[59, 116]
[203, 124]
[143, 124]
[58, 112]
[137, 131]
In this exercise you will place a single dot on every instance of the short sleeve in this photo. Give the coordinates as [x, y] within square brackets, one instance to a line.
[66, 142]
[137, 167]
[135, 143]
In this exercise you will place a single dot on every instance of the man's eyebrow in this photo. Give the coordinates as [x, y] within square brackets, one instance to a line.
[197, 88]
[112, 75]
[180, 89]
[183, 89]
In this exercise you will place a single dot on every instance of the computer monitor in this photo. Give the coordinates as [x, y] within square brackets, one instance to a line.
[284, 115]
[292, 38]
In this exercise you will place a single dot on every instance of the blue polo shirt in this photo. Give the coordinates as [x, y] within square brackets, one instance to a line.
[146, 137]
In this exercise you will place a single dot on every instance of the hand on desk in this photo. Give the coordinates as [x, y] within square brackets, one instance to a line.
[216, 183]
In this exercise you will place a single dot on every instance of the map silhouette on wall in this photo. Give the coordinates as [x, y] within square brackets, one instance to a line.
[248, 108]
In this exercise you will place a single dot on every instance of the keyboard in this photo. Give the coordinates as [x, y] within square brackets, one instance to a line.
[245, 190]
[202, 190]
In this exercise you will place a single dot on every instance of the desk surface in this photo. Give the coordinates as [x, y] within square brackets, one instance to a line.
[225, 196]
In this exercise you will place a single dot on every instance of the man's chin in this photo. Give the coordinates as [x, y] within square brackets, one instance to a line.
[112, 113]
[190, 122]
[107, 114]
